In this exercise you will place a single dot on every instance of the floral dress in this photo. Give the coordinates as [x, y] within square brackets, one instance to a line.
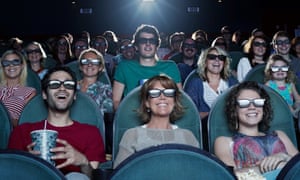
[248, 150]
[102, 94]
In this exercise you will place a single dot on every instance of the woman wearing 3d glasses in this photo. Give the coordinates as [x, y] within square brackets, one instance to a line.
[14, 93]
[213, 77]
[257, 51]
[92, 63]
[252, 146]
[160, 106]
[281, 78]
[37, 58]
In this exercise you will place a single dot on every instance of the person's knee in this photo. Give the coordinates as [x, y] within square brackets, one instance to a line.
[77, 176]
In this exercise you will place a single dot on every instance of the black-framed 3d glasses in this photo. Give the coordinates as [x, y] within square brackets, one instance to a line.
[14, 62]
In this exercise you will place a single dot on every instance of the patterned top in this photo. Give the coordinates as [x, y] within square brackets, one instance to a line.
[284, 91]
[248, 150]
[102, 94]
[15, 98]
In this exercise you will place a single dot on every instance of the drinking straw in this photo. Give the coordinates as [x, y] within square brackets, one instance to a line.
[45, 124]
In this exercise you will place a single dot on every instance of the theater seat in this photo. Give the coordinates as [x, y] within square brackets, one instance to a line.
[172, 161]
[291, 170]
[5, 126]
[256, 74]
[33, 80]
[282, 118]
[17, 165]
[84, 110]
[126, 117]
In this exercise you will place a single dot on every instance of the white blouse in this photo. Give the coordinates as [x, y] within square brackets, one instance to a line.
[210, 94]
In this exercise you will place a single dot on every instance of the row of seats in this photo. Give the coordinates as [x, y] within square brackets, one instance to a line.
[174, 161]
[170, 161]
[126, 117]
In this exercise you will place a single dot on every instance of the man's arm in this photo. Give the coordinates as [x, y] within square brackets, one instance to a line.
[118, 89]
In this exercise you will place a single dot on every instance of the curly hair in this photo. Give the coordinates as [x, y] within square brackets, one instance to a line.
[167, 83]
[231, 105]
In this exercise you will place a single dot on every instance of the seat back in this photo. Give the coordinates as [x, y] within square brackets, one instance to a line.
[192, 75]
[126, 117]
[5, 126]
[282, 118]
[16, 165]
[256, 74]
[235, 58]
[172, 161]
[33, 80]
[74, 66]
[49, 62]
[291, 170]
[83, 110]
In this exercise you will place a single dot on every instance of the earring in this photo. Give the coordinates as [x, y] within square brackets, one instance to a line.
[148, 110]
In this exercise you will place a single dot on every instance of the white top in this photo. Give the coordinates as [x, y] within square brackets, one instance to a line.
[243, 68]
[210, 94]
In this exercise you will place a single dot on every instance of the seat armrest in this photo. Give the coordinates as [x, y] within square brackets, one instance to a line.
[103, 171]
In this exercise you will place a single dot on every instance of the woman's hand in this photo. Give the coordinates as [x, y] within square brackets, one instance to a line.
[273, 162]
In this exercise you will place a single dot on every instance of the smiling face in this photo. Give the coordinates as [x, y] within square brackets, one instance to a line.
[161, 106]
[34, 54]
[12, 71]
[90, 70]
[259, 46]
[127, 50]
[60, 99]
[189, 48]
[279, 75]
[147, 49]
[249, 116]
[282, 45]
[216, 65]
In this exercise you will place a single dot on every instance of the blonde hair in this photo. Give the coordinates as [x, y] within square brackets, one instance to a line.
[202, 68]
[23, 76]
[97, 53]
[290, 78]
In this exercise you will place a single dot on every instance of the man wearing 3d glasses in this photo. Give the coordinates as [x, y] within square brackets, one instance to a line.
[131, 74]
[76, 154]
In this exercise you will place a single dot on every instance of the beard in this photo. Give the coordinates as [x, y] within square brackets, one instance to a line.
[59, 108]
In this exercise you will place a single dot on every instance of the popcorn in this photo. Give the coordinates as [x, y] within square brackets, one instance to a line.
[250, 175]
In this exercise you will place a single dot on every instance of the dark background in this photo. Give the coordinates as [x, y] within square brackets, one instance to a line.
[44, 18]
